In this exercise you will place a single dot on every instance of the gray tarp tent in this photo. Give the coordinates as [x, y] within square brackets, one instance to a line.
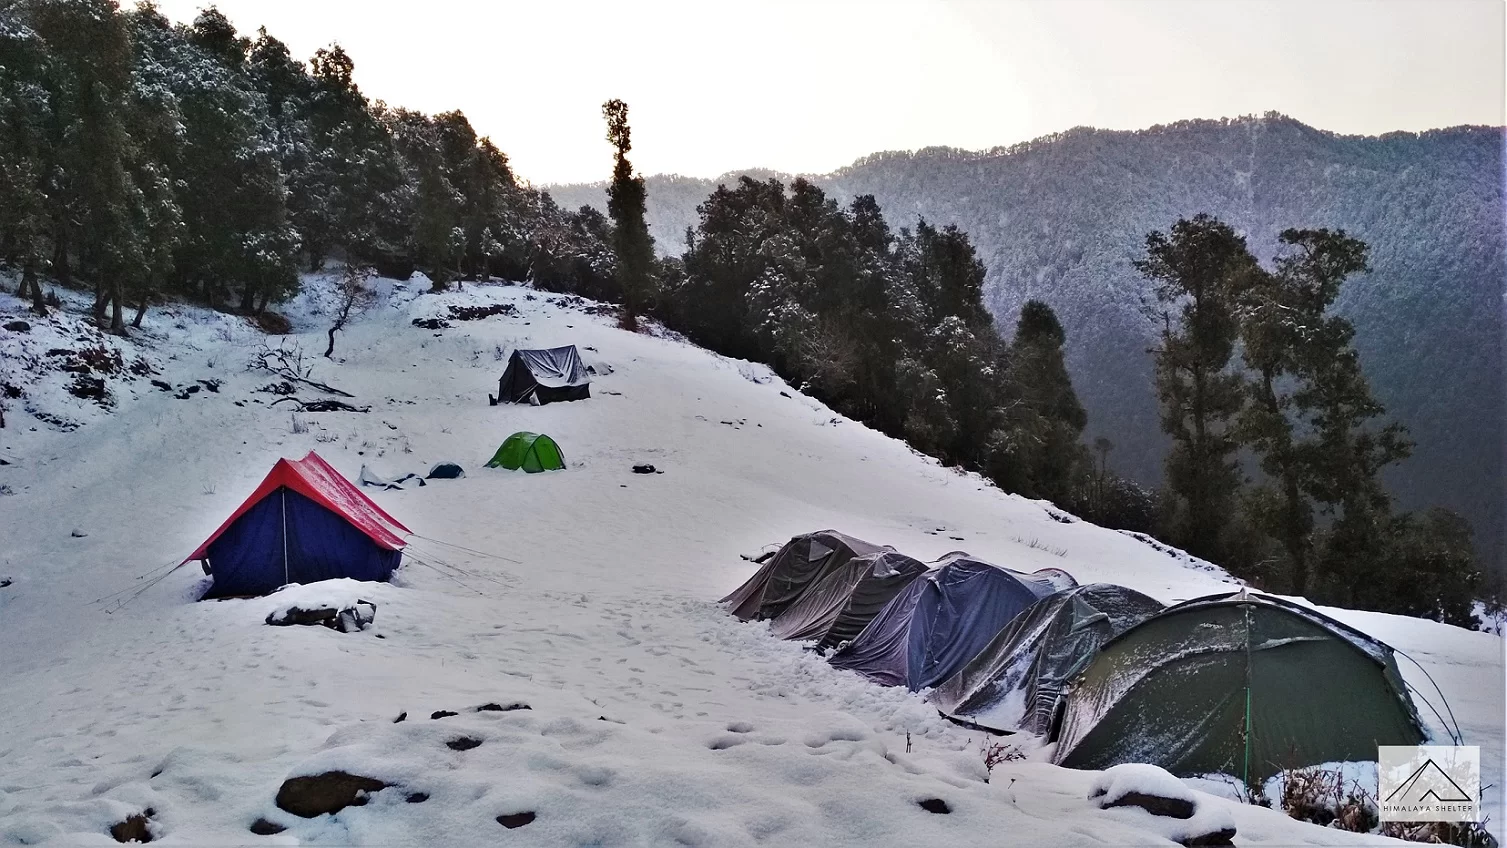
[783, 577]
[1018, 681]
[941, 620]
[1240, 684]
[543, 376]
[837, 607]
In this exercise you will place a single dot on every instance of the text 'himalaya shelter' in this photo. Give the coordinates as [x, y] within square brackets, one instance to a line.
[303, 524]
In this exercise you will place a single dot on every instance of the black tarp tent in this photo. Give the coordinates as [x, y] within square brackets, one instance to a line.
[941, 620]
[837, 607]
[783, 577]
[543, 376]
[1018, 681]
[1240, 684]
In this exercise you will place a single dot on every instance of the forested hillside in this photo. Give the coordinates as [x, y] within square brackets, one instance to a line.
[1062, 218]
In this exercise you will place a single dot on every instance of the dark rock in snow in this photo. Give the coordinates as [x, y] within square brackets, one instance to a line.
[442, 714]
[401, 716]
[78, 534]
[1225, 836]
[498, 708]
[417, 797]
[646, 469]
[163, 386]
[314, 795]
[133, 829]
[4, 583]
[348, 620]
[463, 743]
[299, 615]
[935, 805]
[513, 820]
[1174, 808]
[262, 827]
[18, 327]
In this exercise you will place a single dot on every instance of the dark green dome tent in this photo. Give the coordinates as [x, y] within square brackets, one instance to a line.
[1240, 684]
[801, 562]
[530, 451]
[1019, 679]
[837, 607]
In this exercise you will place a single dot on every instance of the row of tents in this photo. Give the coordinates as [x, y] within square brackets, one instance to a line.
[1240, 684]
[306, 522]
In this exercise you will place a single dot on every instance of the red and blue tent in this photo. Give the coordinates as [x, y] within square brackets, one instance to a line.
[303, 524]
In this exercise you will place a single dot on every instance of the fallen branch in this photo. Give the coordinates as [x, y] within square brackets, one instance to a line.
[321, 405]
[288, 363]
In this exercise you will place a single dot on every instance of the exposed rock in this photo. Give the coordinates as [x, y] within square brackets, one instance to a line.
[646, 469]
[348, 620]
[314, 795]
[498, 708]
[1225, 836]
[513, 820]
[262, 827]
[1176, 808]
[299, 615]
[442, 714]
[401, 716]
[163, 386]
[134, 829]
[463, 743]
[18, 326]
[935, 805]
[417, 797]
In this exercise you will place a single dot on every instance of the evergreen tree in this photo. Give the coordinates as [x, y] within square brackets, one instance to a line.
[1043, 409]
[631, 243]
[1199, 269]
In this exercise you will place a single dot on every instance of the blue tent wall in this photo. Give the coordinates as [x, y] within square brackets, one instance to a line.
[249, 557]
[939, 623]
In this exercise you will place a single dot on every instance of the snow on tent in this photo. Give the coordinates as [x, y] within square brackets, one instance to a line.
[543, 376]
[303, 524]
[1239, 684]
[836, 608]
[941, 620]
[1019, 679]
[783, 577]
[530, 451]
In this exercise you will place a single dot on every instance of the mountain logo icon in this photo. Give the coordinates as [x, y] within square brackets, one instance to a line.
[1429, 783]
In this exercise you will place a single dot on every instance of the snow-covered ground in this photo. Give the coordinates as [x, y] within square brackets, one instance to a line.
[588, 595]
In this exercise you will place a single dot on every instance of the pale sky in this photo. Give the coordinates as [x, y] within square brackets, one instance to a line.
[810, 86]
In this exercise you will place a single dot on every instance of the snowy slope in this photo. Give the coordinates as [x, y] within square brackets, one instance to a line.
[655, 718]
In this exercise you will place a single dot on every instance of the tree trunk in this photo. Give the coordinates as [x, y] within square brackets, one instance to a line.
[141, 308]
[117, 309]
[101, 297]
[60, 267]
[248, 300]
[30, 283]
[329, 352]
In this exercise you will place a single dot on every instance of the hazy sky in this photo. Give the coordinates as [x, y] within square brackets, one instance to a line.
[811, 86]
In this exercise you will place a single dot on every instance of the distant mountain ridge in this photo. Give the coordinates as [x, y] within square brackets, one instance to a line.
[1062, 217]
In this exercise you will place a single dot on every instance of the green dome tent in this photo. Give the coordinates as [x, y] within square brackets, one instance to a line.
[1242, 684]
[530, 451]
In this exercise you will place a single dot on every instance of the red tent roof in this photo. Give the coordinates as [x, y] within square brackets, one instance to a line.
[318, 481]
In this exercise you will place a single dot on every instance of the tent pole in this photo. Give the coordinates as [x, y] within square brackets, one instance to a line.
[1247, 776]
[285, 535]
